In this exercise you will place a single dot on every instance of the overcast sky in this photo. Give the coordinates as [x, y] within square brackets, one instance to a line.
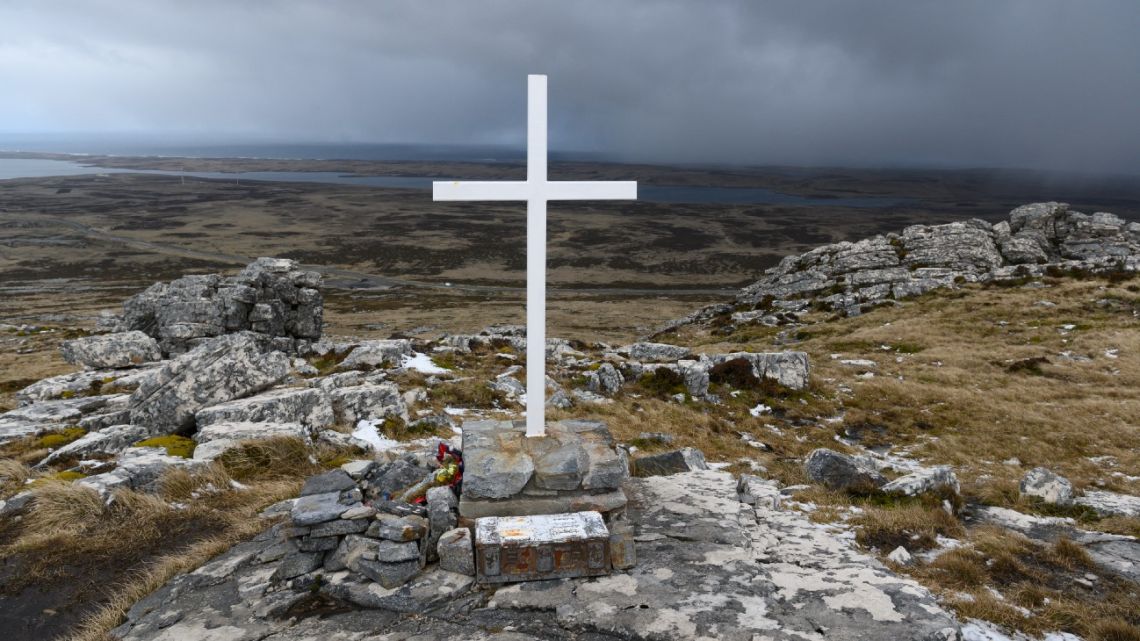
[1030, 83]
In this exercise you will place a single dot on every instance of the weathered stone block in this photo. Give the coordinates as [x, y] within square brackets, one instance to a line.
[685, 459]
[317, 508]
[398, 528]
[340, 527]
[331, 481]
[296, 564]
[456, 551]
[394, 552]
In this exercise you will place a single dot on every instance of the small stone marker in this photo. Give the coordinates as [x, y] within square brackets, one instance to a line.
[551, 546]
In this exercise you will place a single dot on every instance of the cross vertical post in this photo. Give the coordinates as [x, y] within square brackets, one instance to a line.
[536, 190]
[536, 257]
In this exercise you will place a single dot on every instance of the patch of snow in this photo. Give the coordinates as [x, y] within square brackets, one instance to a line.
[760, 409]
[423, 364]
[977, 630]
[367, 431]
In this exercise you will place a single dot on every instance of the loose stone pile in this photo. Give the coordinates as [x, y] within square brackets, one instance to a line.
[386, 541]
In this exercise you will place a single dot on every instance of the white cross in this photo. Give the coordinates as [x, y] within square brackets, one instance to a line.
[536, 190]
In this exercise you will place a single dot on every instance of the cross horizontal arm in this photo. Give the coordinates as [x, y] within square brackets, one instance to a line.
[578, 190]
[469, 190]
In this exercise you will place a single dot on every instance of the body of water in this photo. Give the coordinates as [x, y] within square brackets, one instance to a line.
[11, 168]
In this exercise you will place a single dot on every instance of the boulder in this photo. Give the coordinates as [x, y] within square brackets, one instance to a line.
[685, 459]
[930, 479]
[307, 406]
[842, 472]
[442, 507]
[217, 371]
[1044, 484]
[396, 552]
[296, 564]
[111, 351]
[377, 354]
[790, 369]
[393, 478]
[457, 552]
[605, 380]
[366, 402]
[845, 275]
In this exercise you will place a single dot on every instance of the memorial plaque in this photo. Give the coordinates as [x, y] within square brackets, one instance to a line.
[549, 546]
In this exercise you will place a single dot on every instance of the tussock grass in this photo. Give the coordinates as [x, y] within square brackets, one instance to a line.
[471, 392]
[274, 458]
[915, 527]
[13, 476]
[1044, 579]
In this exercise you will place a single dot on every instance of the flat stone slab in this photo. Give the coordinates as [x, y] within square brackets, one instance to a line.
[530, 548]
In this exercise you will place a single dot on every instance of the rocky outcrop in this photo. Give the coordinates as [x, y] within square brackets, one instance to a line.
[272, 297]
[847, 275]
[219, 370]
[112, 351]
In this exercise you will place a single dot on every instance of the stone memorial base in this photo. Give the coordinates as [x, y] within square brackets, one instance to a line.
[575, 467]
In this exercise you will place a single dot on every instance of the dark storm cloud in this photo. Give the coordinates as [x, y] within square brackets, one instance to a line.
[1038, 83]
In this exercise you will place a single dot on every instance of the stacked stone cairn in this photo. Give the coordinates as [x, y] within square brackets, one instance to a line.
[345, 520]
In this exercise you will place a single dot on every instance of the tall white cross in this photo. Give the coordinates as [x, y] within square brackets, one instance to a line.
[536, 190]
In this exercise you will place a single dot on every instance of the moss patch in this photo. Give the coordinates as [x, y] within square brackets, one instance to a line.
[60, 438]
[174, 445]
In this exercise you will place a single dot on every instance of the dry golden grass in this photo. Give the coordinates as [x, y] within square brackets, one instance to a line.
[1043, 579]
[944, 390]
[914, 526]
[71, 540]
[13, 476]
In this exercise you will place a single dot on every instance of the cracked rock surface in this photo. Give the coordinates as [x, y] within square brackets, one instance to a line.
[715, 561]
